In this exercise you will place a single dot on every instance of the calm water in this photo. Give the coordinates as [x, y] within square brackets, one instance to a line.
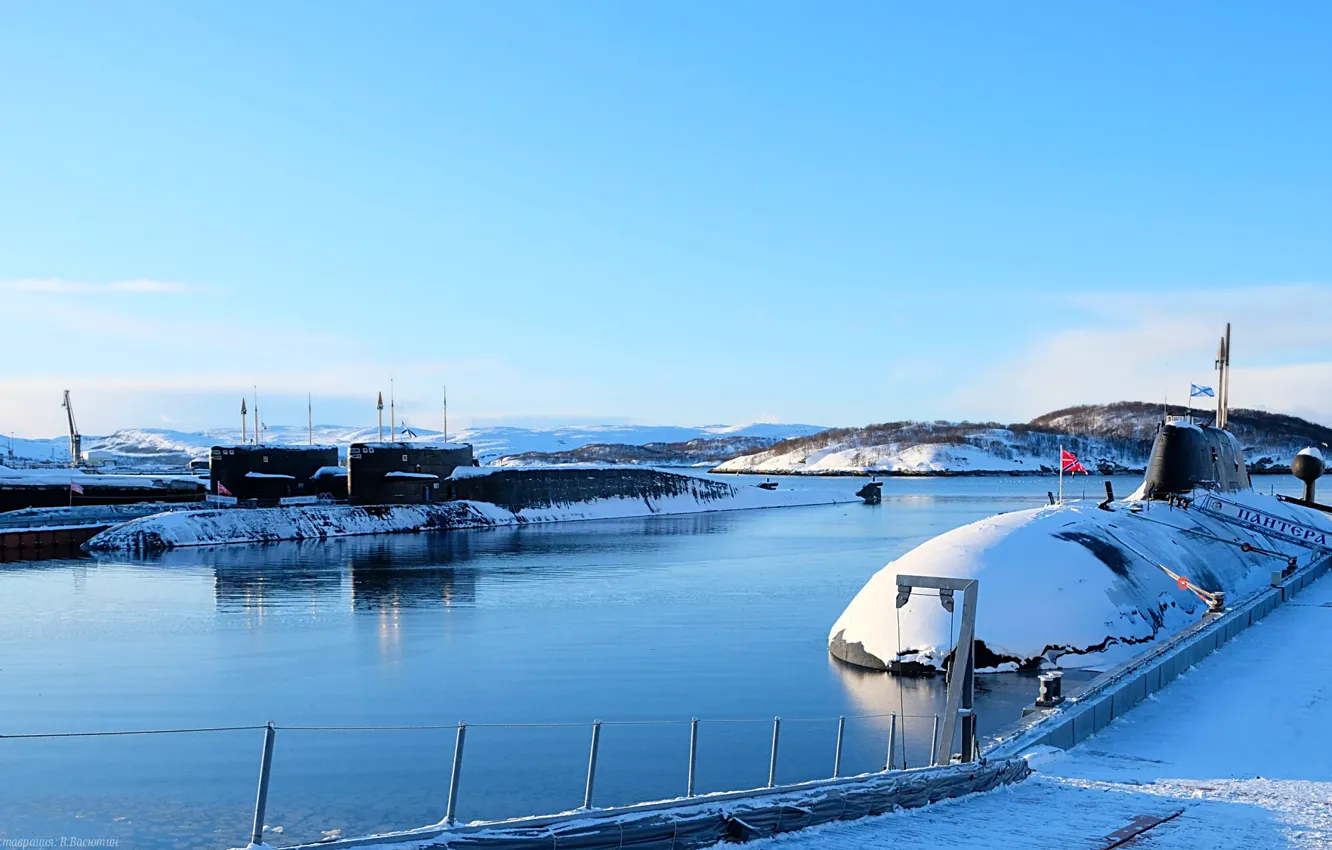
[720, 616]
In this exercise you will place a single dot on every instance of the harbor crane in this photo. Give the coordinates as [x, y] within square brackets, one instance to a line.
[75, 438]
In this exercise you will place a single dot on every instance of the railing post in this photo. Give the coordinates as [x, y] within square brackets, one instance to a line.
[592, 764]
[934, 742]
[452, 810]
[772, 763]
[903, 747]
[837, 756]
[265, 772]
[693, 756]
[892, 740]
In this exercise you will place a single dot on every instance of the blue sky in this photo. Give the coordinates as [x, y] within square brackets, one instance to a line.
[658, 212]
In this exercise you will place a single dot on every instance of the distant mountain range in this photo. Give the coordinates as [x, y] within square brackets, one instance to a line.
[153, 448]
[1110, 438]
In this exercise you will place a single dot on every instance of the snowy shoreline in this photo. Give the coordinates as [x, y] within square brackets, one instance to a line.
[905, 473]
[946, 473]
[180, 529]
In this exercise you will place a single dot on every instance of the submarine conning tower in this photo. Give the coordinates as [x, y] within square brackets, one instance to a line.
[1186, 457]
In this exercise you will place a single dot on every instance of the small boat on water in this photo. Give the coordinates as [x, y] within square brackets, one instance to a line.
[1086, 584]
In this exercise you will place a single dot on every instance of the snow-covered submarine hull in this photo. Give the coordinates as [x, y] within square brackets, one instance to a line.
[1085, 585]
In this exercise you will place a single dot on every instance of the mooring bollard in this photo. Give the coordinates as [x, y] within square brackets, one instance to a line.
[892, 740]
[693, 755]
[457, 773]
[1051, 689]
[837, 756]
[772, 763]
[592, 764]
[934, 742]
[265, 771]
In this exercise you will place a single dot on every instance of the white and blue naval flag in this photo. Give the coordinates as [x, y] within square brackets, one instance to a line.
[1195, 391]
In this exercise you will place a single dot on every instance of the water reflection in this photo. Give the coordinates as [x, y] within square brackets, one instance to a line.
[240, 589]
[415, 570]
[999, 698]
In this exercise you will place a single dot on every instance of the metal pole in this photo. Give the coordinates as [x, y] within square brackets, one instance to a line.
[904, 746]
[934, 742]
[969, 718]
[265, 772]
[968, 735]
[592, 764]
[772, 763]
[837, 757]
[1061, 474]
[903, 742]
[693, 755]
[892, 740]
[456, 775]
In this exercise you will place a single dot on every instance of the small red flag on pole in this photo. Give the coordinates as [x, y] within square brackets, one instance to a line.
[1068, 462]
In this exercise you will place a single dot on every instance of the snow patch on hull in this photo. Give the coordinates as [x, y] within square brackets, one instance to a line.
[1072, 584]
[260, 525]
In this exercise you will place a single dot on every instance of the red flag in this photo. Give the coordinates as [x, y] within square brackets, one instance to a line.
[222, 489]
[75, 487]
[1068, 462]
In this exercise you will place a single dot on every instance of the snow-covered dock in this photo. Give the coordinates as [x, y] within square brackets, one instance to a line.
[1233, 754]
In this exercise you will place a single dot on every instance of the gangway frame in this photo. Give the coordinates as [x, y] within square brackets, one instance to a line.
[961, 689]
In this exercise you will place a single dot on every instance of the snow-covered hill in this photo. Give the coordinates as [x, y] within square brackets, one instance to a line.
[913, 448]
[1107, 438]
[50, 450]
[160, 448]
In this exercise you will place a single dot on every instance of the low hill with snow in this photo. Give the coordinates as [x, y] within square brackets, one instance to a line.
[699, 452]
[1107, 438]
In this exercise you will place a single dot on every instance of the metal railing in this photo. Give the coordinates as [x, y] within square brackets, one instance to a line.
[896, 754]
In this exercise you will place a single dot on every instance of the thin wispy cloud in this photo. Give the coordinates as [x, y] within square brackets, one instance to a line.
[58, 286]
[1151, 347]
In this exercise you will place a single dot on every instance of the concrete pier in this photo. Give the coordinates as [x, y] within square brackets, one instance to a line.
[35, 544]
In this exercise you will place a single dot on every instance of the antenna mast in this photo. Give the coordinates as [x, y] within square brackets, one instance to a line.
[1225, 382]
[245, 434]
[309, 413]
[1223, 379]
[393, 415]
[379, 406]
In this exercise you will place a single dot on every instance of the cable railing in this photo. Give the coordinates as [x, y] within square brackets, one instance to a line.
[892, 757]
